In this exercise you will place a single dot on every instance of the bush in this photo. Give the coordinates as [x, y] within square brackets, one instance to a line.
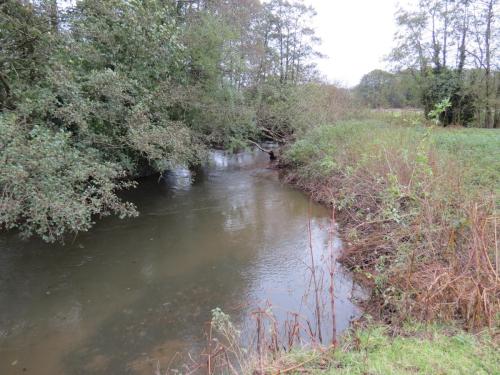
[447, 84]
[288, 111]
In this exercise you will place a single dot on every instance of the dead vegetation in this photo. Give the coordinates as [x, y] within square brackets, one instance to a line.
[419, 229]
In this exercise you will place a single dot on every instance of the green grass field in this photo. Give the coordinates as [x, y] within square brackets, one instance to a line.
[477, 150]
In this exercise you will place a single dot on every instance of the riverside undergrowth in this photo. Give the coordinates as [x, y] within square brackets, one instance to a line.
[419, 209]
[367, 348]
[415, 349]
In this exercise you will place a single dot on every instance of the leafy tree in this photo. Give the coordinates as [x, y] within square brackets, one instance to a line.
[430, 34]
[381, 89]
[85, 107]
[50, 186]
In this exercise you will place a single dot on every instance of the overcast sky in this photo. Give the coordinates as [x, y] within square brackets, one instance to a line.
[356, 35]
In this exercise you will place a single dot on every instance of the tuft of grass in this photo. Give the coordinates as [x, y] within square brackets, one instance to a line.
[434, 352]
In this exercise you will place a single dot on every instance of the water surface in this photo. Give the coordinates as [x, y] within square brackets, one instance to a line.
[130, 294]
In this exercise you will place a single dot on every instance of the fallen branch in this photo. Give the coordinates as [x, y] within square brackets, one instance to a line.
[272, 156]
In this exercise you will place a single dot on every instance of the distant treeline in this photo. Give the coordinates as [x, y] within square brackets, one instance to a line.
[381, 89]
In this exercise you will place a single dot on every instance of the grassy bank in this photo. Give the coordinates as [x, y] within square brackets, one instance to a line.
[419, 214]
[415, 349]
[367, 348]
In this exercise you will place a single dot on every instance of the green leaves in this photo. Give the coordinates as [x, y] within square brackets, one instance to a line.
[88, 105]
[95, 92]
[439, 109]
[51, 187]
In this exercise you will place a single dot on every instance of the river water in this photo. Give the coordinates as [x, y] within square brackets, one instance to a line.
[130, 294]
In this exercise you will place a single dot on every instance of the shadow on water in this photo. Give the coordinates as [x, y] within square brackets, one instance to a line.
[133, 292]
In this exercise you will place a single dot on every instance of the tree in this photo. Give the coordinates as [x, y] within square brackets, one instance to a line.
[438, 29]
[84, 108]
[380, 89]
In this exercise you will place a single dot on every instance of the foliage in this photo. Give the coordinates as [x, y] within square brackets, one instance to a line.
[288, 111]
[380, 89]
[89, 104]
[451, 47]
[51, 186]
[444, 86]
[439, 110]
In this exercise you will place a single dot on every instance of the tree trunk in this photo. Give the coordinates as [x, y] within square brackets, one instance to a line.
[445, 33]
[488, 120]
[462, 48]
[435, 45]
[54, 16]
[496, 115]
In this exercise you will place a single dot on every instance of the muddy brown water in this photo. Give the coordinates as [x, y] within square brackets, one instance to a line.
[130, 294]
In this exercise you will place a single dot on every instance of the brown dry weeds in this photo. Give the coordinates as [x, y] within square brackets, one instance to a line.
[438, 259]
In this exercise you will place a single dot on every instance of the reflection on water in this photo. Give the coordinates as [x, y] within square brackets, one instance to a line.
[133, 292]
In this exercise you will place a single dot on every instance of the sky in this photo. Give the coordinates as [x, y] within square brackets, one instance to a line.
[356, 35]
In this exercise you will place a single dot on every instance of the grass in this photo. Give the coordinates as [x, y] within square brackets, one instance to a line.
[419, 213]
[416, 350]
[367, 348]
[477, 149]
[419, 208]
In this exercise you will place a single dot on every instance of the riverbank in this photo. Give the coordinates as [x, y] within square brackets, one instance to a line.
[418, 208]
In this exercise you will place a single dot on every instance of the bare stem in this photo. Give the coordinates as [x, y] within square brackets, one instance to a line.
[314, 278]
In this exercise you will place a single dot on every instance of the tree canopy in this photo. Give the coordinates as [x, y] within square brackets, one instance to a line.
[452, 48]
[381, 89]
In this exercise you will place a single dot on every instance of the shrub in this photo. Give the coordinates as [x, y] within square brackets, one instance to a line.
[51, 187]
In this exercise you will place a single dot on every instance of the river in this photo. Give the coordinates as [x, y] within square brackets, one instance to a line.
[130, 294]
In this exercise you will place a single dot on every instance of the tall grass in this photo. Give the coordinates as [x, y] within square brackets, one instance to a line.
[420, 214]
